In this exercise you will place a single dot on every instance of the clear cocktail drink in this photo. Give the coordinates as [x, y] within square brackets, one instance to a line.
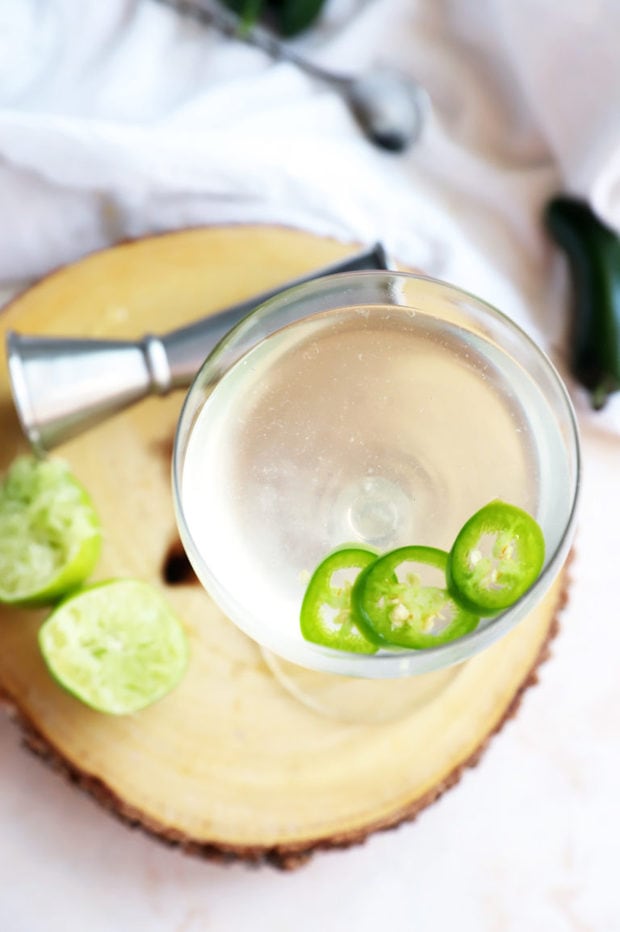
[336, 417]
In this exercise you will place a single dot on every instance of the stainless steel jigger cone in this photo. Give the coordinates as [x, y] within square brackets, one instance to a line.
[61, 385]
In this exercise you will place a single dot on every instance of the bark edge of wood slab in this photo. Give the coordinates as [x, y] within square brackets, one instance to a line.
[286, 856]
[246, 789]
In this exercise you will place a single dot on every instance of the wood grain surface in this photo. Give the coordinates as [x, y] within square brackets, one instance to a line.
[229, 764]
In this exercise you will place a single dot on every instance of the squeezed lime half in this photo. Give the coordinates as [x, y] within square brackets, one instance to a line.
[50, 534]
[117, 646]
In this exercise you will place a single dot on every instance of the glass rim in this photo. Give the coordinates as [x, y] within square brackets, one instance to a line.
[396, 662]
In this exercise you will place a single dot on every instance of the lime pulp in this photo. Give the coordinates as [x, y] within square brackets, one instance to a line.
[50, 534]
[117, 646]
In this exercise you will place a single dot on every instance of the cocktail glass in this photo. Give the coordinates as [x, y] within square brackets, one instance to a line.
[381, 408]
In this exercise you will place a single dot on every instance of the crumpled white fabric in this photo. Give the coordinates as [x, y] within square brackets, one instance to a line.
[123, 118]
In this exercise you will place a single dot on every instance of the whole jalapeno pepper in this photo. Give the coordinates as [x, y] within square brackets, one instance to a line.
[289, 17]
[293, 16]
[593, 253]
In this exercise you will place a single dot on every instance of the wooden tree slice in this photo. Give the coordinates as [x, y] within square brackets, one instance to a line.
[229, 764]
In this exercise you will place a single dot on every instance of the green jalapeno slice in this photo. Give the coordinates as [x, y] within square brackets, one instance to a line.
[495, 558]
[401, 600]
[327, 617]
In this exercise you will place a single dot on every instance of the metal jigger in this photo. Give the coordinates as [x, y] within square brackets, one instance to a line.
[61, 386]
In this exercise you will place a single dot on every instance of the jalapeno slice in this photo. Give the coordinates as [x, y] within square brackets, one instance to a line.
[495, 558]
[327, 617]
[401, 600]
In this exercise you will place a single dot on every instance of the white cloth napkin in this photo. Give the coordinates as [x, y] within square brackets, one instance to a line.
[123, 118]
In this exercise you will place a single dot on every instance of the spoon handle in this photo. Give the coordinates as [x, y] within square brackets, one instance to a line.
[231, 24]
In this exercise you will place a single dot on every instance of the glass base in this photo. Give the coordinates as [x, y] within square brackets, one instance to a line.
[355, 700]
